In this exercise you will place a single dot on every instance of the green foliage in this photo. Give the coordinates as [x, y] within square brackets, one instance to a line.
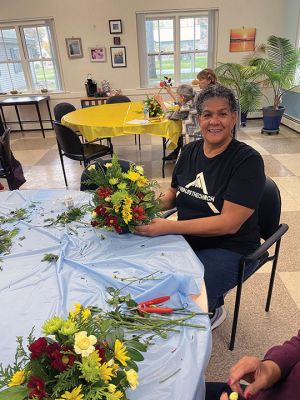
[74, 214]
[245, 81]
[276, 62]
[6, 237]
[17, 215]
[49, 257]
[154, 107]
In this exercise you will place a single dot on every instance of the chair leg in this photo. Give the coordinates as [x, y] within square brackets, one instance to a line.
[237, 306]
[139, 142]
[62, 165]
[272, 278]
[164, 157]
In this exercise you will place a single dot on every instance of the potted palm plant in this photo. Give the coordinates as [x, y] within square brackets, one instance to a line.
[244, 81]
[276, 62]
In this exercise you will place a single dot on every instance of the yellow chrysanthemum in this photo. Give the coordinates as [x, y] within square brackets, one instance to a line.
[116, 395]
[105, 372]
[120, 352]
[94, 214]
[133, 176]
[74, 395]
[132, 378]
[77, 308]
[17, 379]
[139, 169]
[142, 181]
[86, 313]
[90, 367]
[91, 167]
[233, 396]
[68, 328]
[52, 325]
[84, 344]
[126, 210]
[112, 388]
[108, 165]
[113, 181]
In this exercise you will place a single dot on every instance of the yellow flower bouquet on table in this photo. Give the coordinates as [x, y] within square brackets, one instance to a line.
[154, 107]
[123, 199]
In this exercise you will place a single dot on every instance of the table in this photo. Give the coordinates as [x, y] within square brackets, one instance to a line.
[109, 120]
[32, 291]
[92, 101]
[26, 101]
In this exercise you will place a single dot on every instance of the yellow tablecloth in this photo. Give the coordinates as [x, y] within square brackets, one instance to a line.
[109, 120]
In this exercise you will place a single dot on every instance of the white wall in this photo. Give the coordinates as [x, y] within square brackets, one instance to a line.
[89, 21]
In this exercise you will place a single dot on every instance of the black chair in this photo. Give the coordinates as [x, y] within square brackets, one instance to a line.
[70, 146]
[271, 232]
[100, 164]
[5, 154]
[62, 109]
[122, 99]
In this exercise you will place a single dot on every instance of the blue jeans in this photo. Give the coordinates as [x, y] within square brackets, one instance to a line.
[220, 273]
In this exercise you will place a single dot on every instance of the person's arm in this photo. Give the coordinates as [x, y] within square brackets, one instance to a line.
[169, 90]
[229, 221]
[160, 100]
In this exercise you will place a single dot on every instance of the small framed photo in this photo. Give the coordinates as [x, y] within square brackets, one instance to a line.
[117, 40]
[115, 26]
[97, 54]
[118, 57]
[74, 47]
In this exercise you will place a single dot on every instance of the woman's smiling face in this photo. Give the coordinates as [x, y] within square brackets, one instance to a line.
[217, 121]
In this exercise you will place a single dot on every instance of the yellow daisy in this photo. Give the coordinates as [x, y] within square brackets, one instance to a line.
[105, 372]
[74, 395]
[17, 378]
[120, 352]
[86, 313]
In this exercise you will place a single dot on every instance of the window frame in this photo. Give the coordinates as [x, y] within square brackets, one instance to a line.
[25, 60]
[142, 17]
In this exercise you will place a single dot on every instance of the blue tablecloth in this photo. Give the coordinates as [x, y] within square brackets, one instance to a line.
[90, 260]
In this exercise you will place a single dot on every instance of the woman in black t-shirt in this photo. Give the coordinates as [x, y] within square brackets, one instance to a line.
[216, 186]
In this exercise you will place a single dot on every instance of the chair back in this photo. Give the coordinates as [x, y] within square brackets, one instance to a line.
[118, 99]
[269, 209]
[62, 109]
[5, 151]
[67, 139]
[2, 127]
[100, 164]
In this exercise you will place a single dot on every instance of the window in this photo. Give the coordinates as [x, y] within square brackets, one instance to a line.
[177, 45]
[28, 60]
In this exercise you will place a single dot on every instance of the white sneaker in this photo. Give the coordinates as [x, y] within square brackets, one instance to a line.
[218, 318]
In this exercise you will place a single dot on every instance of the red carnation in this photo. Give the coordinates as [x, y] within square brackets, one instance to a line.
[38, 388]
[104, 192]
[111, 220]
[100, 210]
[62, 361]
[38, 347]
[138, 213]
[140, 195]
[162, 84]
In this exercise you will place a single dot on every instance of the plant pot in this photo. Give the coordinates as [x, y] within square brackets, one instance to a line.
[272, 119]
[244, 118]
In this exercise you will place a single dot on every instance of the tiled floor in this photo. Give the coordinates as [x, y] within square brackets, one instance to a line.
[257, 330]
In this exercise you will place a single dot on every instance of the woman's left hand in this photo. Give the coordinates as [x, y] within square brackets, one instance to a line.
[157, 227]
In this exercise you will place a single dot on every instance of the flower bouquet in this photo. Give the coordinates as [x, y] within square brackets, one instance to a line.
[78, 359]
[123, 199]
[153, 106]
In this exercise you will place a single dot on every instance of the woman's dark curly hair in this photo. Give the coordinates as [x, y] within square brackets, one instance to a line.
[216, 91]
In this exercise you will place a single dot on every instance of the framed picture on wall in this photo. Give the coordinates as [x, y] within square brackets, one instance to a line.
[118, 57]
[115, 26]
[74, 47]
[117, 40]
[97, 54]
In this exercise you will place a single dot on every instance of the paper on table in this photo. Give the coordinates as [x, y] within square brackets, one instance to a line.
[138, 121]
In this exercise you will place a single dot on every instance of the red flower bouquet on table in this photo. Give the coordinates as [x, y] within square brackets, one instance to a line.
[123, 199]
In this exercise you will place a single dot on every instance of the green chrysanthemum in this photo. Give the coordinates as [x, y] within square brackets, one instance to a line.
[90, 367]
[68, 328]
[52, 325]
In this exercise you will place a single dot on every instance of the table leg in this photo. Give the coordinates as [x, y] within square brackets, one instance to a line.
[19, 119]
[49, 111]
[3, 116]
[40, 118]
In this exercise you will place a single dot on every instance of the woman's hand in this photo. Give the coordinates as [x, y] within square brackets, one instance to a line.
[157, 227]
[260, 374]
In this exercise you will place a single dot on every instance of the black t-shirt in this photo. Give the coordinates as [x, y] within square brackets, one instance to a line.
[236, 175]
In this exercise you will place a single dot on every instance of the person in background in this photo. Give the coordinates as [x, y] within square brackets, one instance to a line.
[206, 77]
[217, 185]
[276, 377]
[185, 98]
